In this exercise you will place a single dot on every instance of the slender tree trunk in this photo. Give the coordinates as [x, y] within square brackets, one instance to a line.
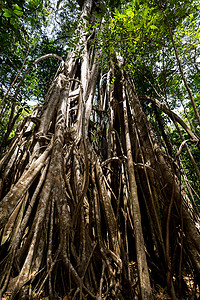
[145, 287]
[181, 70]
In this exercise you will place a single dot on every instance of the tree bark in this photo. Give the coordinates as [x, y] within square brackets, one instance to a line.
[145, 287]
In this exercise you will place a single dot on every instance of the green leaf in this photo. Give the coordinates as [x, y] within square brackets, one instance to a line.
[27, 109]
[17, 7]
[153, 27]
[7, 13]
[12, 21]
[18, 12]
[32, 21]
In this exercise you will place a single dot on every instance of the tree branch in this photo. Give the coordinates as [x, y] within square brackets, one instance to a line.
[172, 115]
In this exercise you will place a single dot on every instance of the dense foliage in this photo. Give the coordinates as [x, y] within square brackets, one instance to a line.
[29, 30]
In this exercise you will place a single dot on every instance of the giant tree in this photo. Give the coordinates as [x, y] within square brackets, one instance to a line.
[91, 203]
